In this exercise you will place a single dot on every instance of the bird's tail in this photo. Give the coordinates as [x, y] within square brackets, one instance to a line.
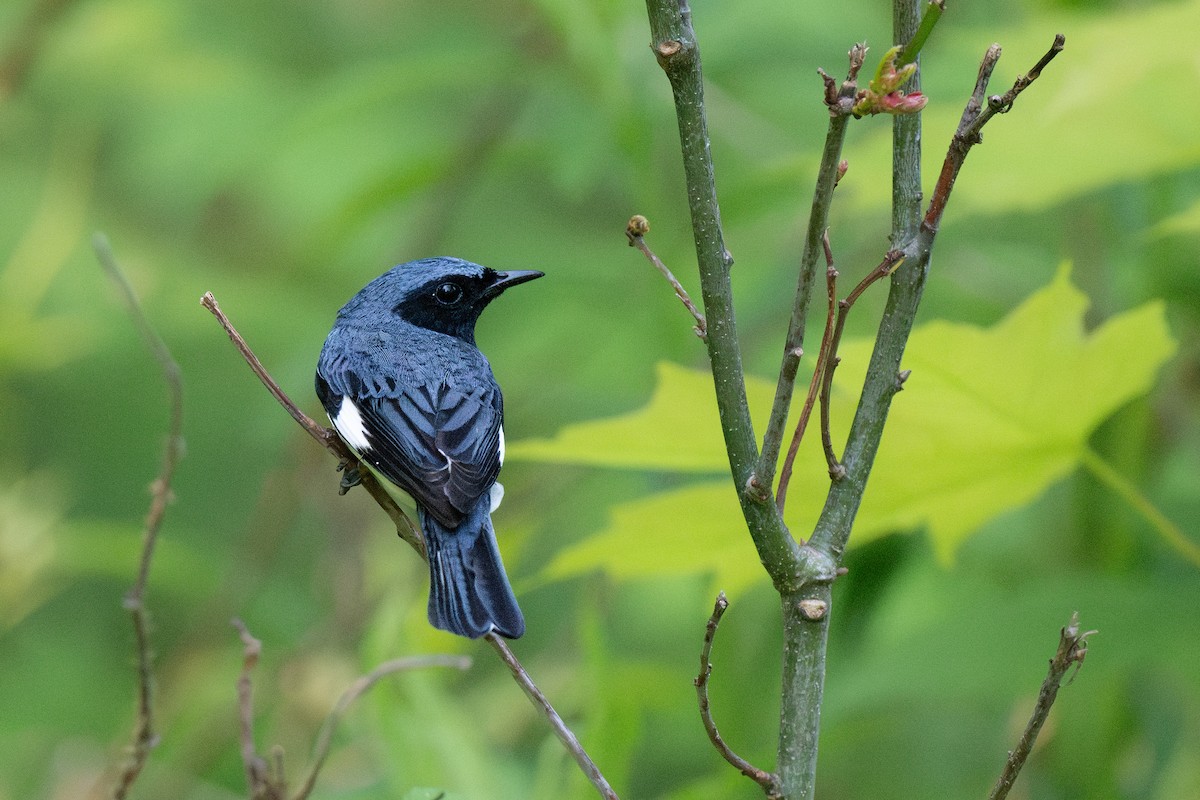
[469, 592]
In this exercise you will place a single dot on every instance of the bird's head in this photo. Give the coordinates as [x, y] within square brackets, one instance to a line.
[442, 294]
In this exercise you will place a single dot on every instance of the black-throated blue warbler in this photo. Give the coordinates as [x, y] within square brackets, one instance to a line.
[409, 392]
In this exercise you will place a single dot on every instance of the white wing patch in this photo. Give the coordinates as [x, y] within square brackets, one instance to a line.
[349, 424]
[502, 449]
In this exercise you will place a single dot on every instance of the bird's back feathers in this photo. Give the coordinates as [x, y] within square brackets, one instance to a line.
[408, 391]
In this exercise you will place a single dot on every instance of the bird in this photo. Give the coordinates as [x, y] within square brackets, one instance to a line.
[408, 391]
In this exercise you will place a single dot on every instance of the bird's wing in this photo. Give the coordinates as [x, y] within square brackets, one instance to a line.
[437, 442]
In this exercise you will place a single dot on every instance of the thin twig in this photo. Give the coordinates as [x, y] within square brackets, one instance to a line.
[830, 361]
[324, 436]
[785, 473]
[977, 113]
[144, 738]
[357, 690]
[564, 734]
[891, 262]
[767, 780]
[636, 232]
[264, 782]
[332, 443]
[839, 100]
[319, 432]
[1002, 104]
[1072, 648]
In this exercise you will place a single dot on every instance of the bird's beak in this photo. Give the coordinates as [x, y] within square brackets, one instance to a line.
[511, 278]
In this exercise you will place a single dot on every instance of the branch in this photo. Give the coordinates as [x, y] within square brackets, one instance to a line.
[357, 690]
[933, 13]
[144, 738]
[827, 362]
[832, 168]
[268, 782]
[564, 734]
[785, 474]
[891, 262]
[265, 782]
[914, 236]
[410, 534]
[326, 437]
[768, 781]
[674, 44]
[636, 232]
[1072, 648]
[974, 117]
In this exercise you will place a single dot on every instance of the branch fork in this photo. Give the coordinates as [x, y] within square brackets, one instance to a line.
[797, 571]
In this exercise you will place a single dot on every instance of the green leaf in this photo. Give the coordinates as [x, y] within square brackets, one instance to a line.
[994, 416]
[697, 529]
[989, 418]
[678, 431]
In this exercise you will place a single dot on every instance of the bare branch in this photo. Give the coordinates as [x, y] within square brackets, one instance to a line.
[827, 361]
[839, 101]
[768, 781]
[636, 232]
[977, 114]
[891, 262]
[144, 738]
[785, 474]
[1072, 648]
[410, 534]
[564, 734]
[264, 782]
[357, 690]
[324, 436]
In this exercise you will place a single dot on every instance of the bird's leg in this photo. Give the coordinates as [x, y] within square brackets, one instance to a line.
[350, 475]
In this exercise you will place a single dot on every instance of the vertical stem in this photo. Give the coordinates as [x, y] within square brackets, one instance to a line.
[674, 44]
[805, 632]
[906, 138]
[818, 222]
[907, 284]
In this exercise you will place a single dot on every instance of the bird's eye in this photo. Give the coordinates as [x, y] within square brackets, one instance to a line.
[448, 293]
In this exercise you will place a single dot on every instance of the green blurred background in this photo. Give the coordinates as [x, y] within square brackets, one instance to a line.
[281, 154]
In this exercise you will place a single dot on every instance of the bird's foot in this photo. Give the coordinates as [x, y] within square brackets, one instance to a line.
[350, 476]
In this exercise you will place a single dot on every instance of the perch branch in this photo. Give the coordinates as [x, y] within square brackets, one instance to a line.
[144, 738]
[768, 781]
[1072, 648]
[324, 436]
[564, 734]
[636, 232]
[409, 533]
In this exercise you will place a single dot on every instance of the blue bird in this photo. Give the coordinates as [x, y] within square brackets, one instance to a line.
[411, 395]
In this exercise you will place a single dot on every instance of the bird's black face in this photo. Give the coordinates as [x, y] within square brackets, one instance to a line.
[452, 302]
